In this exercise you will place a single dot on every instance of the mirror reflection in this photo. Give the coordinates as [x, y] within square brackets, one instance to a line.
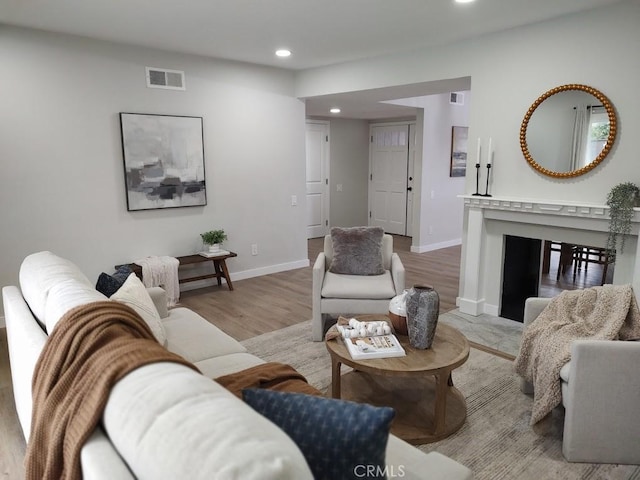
[568, 131]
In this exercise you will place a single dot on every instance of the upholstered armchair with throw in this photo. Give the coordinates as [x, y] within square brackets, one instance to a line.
[357, 273]
[601, 396]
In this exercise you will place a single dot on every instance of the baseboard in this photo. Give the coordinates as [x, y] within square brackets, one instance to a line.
[470, 307]
[436, 246]
[491, 309]
[244, 274]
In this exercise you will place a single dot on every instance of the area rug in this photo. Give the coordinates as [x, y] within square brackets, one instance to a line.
[496, 441]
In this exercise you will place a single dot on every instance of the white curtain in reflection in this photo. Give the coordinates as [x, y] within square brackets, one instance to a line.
[579, 141]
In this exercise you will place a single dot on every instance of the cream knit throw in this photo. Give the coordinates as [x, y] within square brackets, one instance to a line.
[609, 312]
[162, 272]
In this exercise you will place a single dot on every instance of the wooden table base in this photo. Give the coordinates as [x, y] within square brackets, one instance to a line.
[414, 401]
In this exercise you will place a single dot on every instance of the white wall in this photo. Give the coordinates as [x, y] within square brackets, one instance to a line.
[62, 168]
[441, 211]
[509, 71]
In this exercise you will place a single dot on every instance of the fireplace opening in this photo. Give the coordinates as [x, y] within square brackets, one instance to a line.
[544, 268]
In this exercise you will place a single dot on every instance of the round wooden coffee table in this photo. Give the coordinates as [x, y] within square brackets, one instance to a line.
[418, 386]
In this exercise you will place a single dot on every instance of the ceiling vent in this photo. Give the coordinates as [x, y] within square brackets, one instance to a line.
[456, 98]
[163, 78]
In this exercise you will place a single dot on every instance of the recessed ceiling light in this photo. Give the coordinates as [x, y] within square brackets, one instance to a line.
[283, 52]
[465, 1]
[335, 110]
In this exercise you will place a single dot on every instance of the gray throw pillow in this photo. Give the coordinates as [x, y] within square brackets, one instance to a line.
[357, 251]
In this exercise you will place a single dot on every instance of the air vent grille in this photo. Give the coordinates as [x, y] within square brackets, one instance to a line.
[164, 78]
[456, 98]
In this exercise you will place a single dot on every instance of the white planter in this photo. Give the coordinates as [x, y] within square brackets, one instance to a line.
[214, 248]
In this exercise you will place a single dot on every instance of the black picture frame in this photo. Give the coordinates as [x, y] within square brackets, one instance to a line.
[459, 146]
[163, 159]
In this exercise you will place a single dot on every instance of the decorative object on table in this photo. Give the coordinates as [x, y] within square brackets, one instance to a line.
[423, 305]
[459, 138]
[370, 339]
[213, 238]
[217, 253]
[163, 161]
[398, 313]
[621, 200]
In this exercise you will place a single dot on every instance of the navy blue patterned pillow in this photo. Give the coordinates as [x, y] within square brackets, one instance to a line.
[109, 284]
[339, 439]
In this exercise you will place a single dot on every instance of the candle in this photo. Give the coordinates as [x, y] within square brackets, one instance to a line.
[490, 155]
[478, 154]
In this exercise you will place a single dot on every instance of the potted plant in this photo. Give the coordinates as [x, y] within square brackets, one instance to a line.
[621, 200]
[213, 238]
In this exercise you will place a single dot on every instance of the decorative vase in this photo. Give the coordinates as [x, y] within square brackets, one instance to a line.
[214, 248]
[398, 313]
[423, 305]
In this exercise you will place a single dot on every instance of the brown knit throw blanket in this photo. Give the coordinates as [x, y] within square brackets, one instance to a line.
[609, 312]
[92, 347]
[272, 375]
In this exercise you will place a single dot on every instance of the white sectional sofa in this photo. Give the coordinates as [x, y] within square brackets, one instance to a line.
[165, 420]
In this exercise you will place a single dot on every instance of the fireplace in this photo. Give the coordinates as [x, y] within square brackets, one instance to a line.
[543, 268]
[489, 221]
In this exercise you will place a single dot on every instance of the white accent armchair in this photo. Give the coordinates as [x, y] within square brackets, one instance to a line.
[353, 294]
[601, 397]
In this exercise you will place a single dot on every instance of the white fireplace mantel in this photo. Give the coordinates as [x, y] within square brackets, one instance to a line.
[489, 219]
[543, 206]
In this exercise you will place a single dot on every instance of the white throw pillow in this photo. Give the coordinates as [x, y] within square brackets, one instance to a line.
[134, 294]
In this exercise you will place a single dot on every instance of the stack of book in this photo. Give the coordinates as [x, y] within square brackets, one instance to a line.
[370, 340]
[218, 253]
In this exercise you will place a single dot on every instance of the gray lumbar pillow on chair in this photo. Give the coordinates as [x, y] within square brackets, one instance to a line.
[357, 251]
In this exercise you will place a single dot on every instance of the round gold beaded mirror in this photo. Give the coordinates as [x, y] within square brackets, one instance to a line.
[568, 131]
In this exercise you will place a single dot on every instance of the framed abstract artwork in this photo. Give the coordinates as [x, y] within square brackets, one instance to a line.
[459, 140]
[163, 161]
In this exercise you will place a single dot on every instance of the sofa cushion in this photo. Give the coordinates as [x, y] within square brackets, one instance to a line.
[41, 271]
[169, 422]
[339, 439]
[134, 294]
[65, 295]
[358, 286]
[226, 364]
[357, 251]
[190, 335]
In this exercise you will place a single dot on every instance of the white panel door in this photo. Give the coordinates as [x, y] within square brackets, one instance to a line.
[388, 178]
[317, 148]
[410, 178]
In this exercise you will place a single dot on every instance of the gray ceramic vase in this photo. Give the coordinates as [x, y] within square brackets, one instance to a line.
[423, 305]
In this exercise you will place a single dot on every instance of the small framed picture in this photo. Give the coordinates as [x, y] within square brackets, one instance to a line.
[459, 142]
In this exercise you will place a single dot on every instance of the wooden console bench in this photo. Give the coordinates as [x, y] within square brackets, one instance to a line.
[219, 267]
